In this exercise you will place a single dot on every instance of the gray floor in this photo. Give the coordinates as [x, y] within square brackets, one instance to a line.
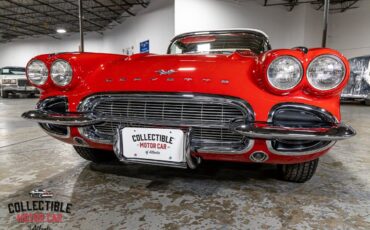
[217, 196]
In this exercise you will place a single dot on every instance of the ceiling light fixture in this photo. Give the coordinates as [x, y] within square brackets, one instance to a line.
[61, 31]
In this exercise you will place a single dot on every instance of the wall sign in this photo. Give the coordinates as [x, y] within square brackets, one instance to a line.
[144, 46]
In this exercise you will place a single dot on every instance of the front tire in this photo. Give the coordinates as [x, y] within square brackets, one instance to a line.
[5, 94]
[95, 155]
[298, 173]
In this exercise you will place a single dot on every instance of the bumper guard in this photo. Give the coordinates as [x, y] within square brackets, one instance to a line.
[253, 130]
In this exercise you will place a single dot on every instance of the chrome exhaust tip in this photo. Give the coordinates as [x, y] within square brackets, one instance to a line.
[259, 157]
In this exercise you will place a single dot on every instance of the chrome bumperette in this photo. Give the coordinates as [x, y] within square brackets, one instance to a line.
[266, 131]
[208, 117]
[44, 106]
[319, 145]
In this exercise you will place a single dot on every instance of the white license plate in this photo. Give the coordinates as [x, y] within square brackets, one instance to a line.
[153, 144]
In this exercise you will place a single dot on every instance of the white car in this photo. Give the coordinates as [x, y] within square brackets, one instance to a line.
[13, 80]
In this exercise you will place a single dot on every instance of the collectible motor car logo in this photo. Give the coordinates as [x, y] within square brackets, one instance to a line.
[38, 213]
[165, 72]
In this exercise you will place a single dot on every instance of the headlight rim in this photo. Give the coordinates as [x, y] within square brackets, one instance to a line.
[296, 60]
[335, 57]
[51, 69]
[46, 68]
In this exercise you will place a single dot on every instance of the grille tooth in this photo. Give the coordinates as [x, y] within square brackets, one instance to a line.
[209, 109]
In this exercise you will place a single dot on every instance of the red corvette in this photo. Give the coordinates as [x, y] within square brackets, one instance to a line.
[217, 95]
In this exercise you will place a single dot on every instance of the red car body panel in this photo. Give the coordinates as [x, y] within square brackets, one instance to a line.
[236, 75]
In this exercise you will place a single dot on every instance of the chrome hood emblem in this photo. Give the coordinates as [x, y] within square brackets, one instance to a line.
[165, 72]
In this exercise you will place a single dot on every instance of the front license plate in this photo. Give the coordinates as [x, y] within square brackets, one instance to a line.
[153, 144]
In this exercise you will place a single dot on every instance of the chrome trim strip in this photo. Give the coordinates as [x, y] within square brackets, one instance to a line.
[305, 107]
[67, 119]
[297, 153]
[265, 131]
[68, 135]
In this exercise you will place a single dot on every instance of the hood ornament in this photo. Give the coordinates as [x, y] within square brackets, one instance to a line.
[165, 72]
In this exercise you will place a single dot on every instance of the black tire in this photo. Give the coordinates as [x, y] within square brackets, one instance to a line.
[367, 102]
[5, 94]
[31, 95]
[96, 155]
[298, 173]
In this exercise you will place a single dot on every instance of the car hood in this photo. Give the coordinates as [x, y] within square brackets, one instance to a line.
[205, 67]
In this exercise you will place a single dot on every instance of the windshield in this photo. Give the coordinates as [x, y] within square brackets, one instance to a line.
[13, 71]
[220, 43]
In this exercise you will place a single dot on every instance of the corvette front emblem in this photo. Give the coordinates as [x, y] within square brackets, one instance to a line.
[165, 72]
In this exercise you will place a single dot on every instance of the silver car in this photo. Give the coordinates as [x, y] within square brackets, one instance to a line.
[13, 80]
[358, 87]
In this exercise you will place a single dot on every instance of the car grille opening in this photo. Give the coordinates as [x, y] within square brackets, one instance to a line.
[207, 116]
[23, 82]
[56, 105]
[299, 116]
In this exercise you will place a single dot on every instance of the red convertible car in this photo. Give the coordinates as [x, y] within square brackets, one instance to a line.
[217, 95]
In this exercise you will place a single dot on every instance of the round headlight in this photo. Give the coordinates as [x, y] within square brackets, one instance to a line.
[61, 72]
[326, 72]
[37, 72]
[284, 73]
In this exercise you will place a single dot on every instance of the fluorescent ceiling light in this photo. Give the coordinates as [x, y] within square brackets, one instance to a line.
[61, 31]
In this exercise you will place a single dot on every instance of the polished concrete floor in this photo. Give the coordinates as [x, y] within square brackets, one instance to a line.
[217, 196]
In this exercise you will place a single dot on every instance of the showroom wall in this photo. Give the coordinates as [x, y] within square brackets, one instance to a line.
[155, 23]
[19, 52]
[350, 31]
[165, 18]
[285, 29]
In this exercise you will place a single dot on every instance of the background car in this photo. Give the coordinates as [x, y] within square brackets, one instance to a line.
[358, 87]
[13, 80]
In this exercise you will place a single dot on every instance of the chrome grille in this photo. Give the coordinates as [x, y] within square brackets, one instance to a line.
[23, 82]
[208, 117]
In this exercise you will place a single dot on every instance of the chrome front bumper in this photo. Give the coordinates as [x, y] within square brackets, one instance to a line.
[252, 130]
[16, 88]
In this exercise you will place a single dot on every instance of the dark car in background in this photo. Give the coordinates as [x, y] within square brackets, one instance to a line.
[358, 87]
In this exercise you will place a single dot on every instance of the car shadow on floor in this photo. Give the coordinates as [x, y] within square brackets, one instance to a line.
[207, 170]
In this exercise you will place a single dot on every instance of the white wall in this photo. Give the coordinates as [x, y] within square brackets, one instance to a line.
[156, 24]
[19, 52]
[285, 29]
[349, 32]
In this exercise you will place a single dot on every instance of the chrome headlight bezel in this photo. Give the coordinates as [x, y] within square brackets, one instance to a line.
[296, 81]
[64, 77]
[310, 78]
[44, 72]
